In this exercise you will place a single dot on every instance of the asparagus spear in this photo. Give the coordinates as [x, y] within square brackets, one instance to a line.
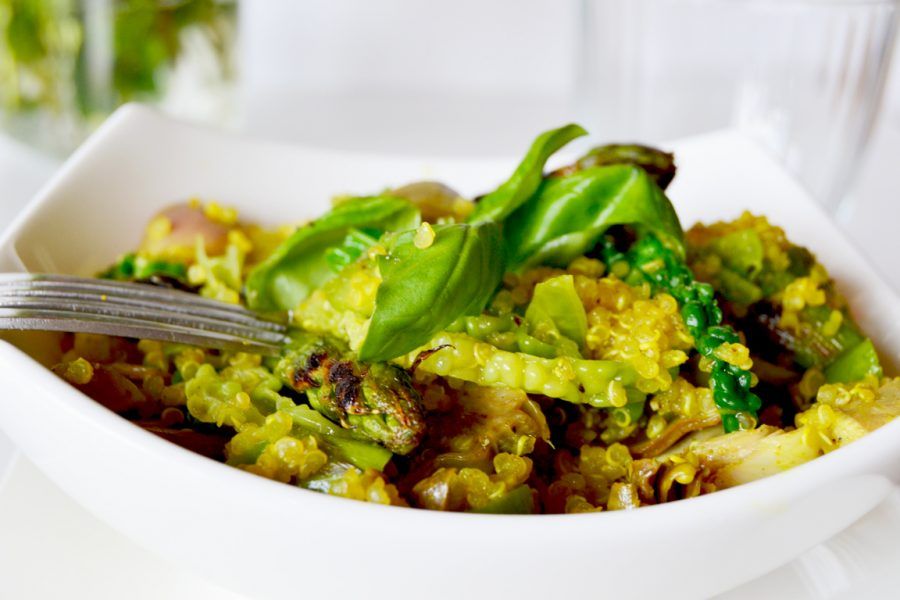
[376, 400]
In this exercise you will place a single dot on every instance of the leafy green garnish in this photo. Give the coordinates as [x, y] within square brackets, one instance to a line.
[742, 251]
[742, 264]
[529, 219]
[556, 301]
[423, 290]
[354, 245]
[567, 215]
[855, 364]
[137, 268]
[303, 262]
[500, 203]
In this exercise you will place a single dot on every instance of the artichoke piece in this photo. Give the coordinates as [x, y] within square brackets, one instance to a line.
[744, 456]
[435, 201]
[659, 165]
[375, 400]
[843, 414]
[806, 342]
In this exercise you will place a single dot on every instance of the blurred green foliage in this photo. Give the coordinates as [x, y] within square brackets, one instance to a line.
[45, 63]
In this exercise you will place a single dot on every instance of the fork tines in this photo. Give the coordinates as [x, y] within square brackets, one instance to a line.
[67, 303]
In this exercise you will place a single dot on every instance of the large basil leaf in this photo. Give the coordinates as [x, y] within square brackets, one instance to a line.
[423, 290]
[527, 177]
[568, 214]
[300, 264]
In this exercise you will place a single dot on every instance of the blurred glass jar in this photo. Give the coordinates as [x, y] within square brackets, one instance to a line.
[66, 64]
[802, 77]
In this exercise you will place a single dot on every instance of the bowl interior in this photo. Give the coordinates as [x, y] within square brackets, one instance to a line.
[98, 204]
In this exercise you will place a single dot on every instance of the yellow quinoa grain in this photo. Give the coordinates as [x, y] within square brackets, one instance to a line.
[655, 426]
[833, 324]
[158, 229]
[424, 236]
[79, 372]
[240, 239]
[800, 293]
[618, 454]
[617, 395]
[220, 214]
[578, 504]
[620, 269]
[746, 420]
[196, 275]
[735, 354]
[623, 496]
[588, 267]
[810, 383]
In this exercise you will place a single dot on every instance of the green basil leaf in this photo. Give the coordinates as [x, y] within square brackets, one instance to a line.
[301, 263]
[527, 177]
[568, 214]
[423, 290]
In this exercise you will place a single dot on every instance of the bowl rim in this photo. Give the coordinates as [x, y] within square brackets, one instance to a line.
[802, 479]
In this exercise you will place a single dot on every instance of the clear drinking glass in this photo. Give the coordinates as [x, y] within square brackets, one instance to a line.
[802, 77]
[65, 64]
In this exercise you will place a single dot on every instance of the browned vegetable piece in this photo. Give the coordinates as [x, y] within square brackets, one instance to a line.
[674, 432]
[376, 400]
[434, 200]
[211, 445]
[643, 477]
[115, 391]
[659, 165]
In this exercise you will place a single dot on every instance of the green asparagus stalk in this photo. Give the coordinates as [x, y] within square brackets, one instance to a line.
[375, 400]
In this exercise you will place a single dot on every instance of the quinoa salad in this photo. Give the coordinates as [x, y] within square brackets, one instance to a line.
[557, 345]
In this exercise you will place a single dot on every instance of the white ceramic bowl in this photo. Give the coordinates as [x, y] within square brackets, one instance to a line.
[272, 540]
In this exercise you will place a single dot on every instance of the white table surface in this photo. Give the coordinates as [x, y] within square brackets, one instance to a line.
[51, 548]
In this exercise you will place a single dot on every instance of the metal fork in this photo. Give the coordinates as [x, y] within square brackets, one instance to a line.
[46, 302]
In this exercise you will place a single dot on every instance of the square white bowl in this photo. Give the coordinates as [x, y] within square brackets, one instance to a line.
[268, 539]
